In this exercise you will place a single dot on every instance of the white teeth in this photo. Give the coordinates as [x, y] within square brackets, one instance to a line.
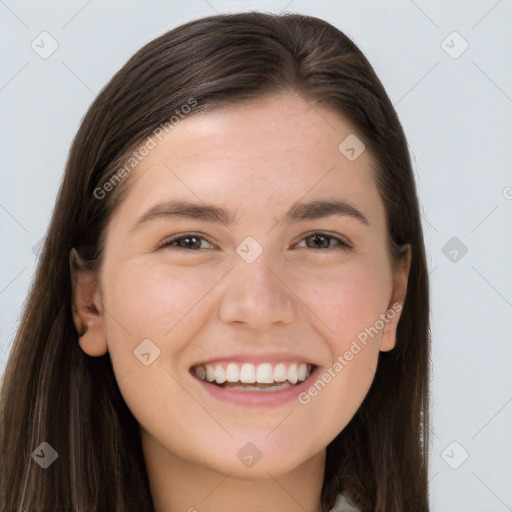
[280, 372]
[232, 372]
[201, 372]
[248, 373]
[265, 373]
[291, 374]
[263, 390]
[220, 375]
[210, 372]
[302, 371]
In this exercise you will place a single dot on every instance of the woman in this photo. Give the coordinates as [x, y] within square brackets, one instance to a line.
[190, 341]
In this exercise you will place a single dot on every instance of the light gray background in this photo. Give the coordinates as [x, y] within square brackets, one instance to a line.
[456, 114]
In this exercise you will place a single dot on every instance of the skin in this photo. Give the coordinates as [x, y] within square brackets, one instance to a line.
[256, 160]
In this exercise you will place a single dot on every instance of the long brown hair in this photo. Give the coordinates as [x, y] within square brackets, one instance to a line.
[53, 392]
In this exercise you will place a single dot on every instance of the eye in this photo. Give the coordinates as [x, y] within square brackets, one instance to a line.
[188, 241]
[323, 240]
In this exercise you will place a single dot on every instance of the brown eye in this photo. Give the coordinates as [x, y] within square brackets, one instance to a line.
[323, 241]
[188, 241]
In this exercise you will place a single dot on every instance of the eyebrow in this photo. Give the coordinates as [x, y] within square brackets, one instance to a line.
[209, 212]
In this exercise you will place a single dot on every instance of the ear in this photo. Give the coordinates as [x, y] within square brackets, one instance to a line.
[86, 307]
[400, 278]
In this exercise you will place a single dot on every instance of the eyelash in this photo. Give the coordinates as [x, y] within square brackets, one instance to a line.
[341, 244]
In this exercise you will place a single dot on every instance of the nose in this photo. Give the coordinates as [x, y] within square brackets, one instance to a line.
[257, 294]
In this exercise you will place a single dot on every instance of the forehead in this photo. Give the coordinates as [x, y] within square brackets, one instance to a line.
[264, 154]
[280, 126]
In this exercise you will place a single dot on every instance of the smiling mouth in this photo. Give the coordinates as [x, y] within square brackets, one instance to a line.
[264, 377]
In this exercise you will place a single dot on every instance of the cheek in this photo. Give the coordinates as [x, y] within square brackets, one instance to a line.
[155, 297]
[348, 299]
[153, 302]
[349, 305]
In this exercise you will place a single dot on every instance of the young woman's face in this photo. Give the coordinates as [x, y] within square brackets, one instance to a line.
[261, 289]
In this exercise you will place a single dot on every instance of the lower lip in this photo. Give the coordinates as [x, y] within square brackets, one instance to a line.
[258, 398]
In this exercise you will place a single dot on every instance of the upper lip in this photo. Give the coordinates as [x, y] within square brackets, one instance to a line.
[271, 358]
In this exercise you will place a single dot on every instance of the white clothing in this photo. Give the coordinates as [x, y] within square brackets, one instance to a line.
[344, 504]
